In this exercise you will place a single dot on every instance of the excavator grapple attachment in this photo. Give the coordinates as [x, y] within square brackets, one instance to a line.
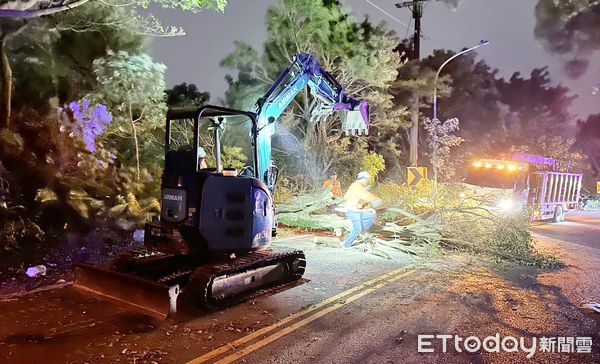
[356, 122]
[128, 290]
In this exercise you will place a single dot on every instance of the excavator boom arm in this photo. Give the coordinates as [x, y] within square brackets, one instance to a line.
[304, 71]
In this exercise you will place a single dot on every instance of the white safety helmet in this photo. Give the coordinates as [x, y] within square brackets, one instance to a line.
[201, 152]
[363, 175]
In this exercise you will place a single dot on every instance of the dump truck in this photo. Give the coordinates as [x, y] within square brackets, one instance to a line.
[528, 181]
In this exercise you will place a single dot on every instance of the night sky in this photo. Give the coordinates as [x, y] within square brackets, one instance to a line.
[508, 24]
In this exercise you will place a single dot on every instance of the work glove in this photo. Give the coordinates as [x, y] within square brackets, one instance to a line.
[376, 203]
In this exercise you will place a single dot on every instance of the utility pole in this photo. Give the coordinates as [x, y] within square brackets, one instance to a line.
[416, 7]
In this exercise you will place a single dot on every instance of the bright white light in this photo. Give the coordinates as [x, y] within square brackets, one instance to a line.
[506, 204]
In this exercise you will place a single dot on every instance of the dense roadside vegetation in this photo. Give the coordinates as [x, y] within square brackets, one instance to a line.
[82, 153]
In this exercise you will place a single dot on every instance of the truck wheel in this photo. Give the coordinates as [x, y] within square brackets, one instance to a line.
[559, 214]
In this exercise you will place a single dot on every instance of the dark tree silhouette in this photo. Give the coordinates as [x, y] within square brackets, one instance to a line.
[588, 139]
[14, 16]
[185, 94]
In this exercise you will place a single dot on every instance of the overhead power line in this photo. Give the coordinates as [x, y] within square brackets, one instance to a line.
[388, 14]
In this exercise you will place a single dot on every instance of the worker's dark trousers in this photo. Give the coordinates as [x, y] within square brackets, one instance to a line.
[361, 221]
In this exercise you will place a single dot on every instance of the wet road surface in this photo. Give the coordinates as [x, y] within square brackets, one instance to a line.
[334, 316]
[578, 228]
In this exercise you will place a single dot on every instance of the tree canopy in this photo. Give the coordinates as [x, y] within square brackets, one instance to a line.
[498, 114]
[569, 28]
[48, 16]
[29, 9]
[133, 88]
[184, 94]
[54, 59]
[588, 139]
[359, 56]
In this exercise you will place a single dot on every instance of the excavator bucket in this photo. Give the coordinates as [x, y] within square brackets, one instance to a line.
[136, 293]
[356, 122]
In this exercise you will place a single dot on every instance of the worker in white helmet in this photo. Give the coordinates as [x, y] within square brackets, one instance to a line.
[359, 207]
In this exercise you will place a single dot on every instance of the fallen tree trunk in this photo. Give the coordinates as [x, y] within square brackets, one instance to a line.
[309, 212]
[313, 222]
[308, 203]
[467, 228]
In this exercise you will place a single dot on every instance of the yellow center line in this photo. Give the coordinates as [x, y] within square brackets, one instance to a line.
[269, 339]
[234, 344]
[377, 282]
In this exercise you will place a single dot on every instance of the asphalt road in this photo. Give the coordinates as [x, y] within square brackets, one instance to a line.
[578, 228]
[465, 299]
[352, 308]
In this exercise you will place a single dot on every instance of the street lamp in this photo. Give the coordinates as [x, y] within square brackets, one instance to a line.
[481, 44]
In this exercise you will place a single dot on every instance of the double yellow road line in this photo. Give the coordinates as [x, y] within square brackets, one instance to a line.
[323, 308]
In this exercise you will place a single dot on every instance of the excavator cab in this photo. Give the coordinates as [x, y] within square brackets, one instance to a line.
[220, 211]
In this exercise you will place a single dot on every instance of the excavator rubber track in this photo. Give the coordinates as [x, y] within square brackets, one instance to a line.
[153, 281]
[224, 284]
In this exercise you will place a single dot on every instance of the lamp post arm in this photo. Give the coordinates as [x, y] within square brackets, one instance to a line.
[437, 75]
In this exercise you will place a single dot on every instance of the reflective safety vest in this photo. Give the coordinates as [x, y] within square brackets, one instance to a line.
[336, 187]
[357, 196]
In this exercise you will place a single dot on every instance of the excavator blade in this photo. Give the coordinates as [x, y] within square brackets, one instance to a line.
[132, 292]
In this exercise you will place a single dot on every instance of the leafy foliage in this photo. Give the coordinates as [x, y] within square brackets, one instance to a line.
[147, 24]
[133, 88]
[59, 182]
[186, 5]
[422, 199]
[588, 140]
[424, 220]
[498, 116]
[359, 56]
[83, 158]
[90, 122]
[53, 58]
[183, 95]
[71, 170]
[19, 232]
[374, 164]
[441, 139]
[503, 237]
[592, 205]
[507, 112]
[231, 157]
[137, 200]
[286, 191]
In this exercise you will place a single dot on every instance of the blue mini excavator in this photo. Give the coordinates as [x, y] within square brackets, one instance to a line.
[213, 239]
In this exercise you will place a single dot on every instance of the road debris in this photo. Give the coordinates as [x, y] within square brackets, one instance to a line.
[138, 236]
[38, 270]
[593, 306]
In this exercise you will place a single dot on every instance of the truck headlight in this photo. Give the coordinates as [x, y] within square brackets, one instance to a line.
[506, 205]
